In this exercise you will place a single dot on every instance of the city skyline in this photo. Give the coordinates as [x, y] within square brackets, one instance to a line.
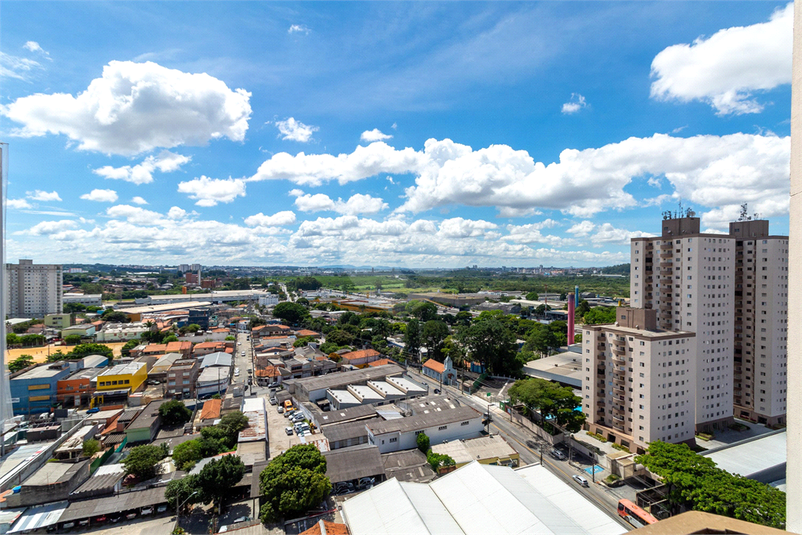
[404, 135]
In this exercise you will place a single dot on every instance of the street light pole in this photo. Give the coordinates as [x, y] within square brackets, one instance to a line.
[178, 509]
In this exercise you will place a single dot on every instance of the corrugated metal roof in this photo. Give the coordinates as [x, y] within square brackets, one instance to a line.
[113, 504]
[353, 463]
[39, 517]
[751, 456]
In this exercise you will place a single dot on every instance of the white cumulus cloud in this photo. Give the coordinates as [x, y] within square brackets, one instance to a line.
[139, 200]
[298, 28]
[137, 107]
[279, 219]
[581, 229]
[210, 191]
[576, 103]
[43, 196]
[46, 228]
[101, 195]
[369, 136]
[142, 173]
[356, 204]
[726, 69]
[293, 130]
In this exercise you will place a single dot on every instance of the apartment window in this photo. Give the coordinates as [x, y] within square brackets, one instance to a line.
[442, 428]
[395, 439]
[465, 423]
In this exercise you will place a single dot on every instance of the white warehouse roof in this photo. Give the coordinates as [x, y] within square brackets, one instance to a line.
[479, 499]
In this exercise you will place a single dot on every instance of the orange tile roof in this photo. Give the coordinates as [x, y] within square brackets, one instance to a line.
[362, 353]
[257, 328]
[211, 409]
[208, 345]
[307, 332]
[329, 528]
[432, 364]
[380, 362]
[280, 337]
[155, 348]
[220, 330]
[270, 371]
[177, 347]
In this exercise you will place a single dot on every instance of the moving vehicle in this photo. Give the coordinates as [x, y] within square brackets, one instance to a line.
[288, 430]
[581, 480]
[634, 515]
[557, 454]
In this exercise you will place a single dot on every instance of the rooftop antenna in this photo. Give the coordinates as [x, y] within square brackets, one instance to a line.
[744, 216]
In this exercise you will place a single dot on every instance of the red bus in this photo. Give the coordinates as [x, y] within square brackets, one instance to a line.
[634, 514]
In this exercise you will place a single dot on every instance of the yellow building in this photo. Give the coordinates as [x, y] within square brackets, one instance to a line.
[490, 449]
[128, 376]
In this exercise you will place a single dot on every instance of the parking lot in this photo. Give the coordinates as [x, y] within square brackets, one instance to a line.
[279, 440]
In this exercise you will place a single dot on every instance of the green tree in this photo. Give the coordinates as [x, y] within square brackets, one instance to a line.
[303, 341]
[582, 308]
[552, 401]
[695, 482]
[217, 478]
[422, 441]
[436, 460]
[423, 310]
[142, 461]
[114, 316]
[191, 328]
[412, 338]
[71, 308]
[174, 413]
[340, 338]
[186, 454]
[90, 447]
[82, 350]
[232, 423]
[599, 316]
[181, 491]
[329, 347]
[491, 342]
[229, 338]
[129, 345]
[292, 313]
[293, 482]
[540, 339]
[29, 340]
[532, 296]
[20, 363]
[434, 334]
[12, 339]
[174, 338]
[72, 339]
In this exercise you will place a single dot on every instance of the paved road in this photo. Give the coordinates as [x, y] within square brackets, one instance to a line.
[523, 441]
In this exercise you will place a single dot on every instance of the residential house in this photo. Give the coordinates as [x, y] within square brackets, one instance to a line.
[182, 378]
[442, 372]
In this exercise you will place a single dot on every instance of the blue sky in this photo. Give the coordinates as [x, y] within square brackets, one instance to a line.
[408, 134]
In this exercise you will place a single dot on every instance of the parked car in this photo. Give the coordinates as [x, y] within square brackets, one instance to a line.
[581, 480]
[84, 522]
[130, 516]
[242, 519]
[436, 390]
[161, 509]
[101, 518]
[69, 525]
[147, 511]
[93, 410]
[114, 518]
[274, 402]
[280, 409]
[557, 454]
[288, 430]
[364, 483]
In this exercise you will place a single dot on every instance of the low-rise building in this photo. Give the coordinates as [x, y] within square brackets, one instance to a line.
[206, 348]
[315, 388]
[76, 389]
[130, 376]
[145, 426]
[82, 329]
[59, 321]
[121, 332]
[401, 433]
[159, 370]
[352, 464]
[182, 378]
[89, 300]
[361, 357]
[212, 380]
[490, 449]
[51, 483]
[210, 412]
[442, 372]
[35, 390]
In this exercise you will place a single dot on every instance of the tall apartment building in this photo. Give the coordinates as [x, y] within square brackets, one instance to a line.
[33, 290]
[640, 380]
[699, 283]
[761, 322]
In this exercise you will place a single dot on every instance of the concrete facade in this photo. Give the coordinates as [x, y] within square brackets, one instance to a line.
[639, 383]
[33, 290]
[34, 391]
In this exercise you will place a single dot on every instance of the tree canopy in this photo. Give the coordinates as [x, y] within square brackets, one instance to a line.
[20, 363]
[695, 482]
[422, 441]
[142, 461]
[292, 313]
[129, 345]
[212, 484]
[423, 310]
[433, 335]
[174, 412]
[599, 316]
[293, 482]
[490, 341]
[82, 350]
[412, 338]
[552, 401]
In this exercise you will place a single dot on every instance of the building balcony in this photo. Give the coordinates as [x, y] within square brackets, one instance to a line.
[601, 347]
[620, 351]
[619, 381]
[666, 246]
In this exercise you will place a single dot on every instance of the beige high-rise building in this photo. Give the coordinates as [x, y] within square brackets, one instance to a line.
[731, 290]
[33, 290]
[639, 380]
[689, 279]
[761, 323]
